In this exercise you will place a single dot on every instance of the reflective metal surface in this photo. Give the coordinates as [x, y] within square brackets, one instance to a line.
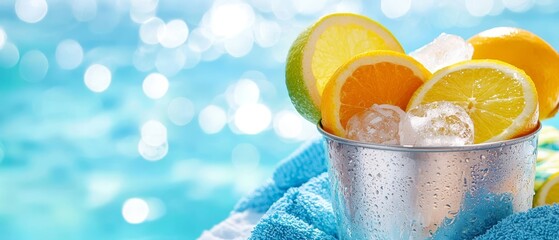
[394, 192]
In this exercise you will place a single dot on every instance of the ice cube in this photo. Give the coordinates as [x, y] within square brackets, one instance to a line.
[445, 50]
[378, 124]
[437, 124]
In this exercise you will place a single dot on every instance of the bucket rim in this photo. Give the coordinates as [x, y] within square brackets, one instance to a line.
[403, 148]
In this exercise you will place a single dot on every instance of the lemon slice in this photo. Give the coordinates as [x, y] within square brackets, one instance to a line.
[379, 77]
[528, 52]
[500, 98]
[548, 193]
[322, 48]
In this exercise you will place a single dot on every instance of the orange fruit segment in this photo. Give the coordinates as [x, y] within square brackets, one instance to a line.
[378, 77]
[528, 52]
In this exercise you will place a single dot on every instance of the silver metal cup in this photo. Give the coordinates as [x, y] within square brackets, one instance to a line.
[397, 192]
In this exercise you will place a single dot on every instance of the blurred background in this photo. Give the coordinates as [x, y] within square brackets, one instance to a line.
[149, 119]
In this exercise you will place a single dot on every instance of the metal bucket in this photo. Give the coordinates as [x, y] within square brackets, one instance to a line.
[397, 192]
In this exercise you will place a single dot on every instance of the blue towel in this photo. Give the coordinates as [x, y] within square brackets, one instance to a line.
[295, 205]
[538, 223]
[302, 213]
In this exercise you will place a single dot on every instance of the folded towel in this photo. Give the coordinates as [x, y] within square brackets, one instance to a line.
[295, 204]
[261, 199]
[302, 213]
[538, 223]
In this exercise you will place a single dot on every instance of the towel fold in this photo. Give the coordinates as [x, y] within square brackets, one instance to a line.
[261, 199]
[303, 213]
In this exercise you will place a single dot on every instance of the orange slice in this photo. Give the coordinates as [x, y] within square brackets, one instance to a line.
[378, 77]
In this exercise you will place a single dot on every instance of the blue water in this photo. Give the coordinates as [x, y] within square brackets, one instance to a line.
[74, 161]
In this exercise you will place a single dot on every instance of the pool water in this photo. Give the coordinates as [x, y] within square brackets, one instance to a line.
[148, 119]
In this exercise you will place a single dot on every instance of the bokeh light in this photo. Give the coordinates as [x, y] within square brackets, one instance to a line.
[139, 16]
[153, 152]
[31, 11]
[154, 133]
[283, 10]
[212, 119]
[252, 118]
[230, 18]
[395, 8]
[97, 78]
[246, 91]
[479, 8]
[267, 33]
[240, 45]
[153, 144]
[84, 10]
[155, 86]
[288, 124]
[172, 34]
[33, 66]
[9, 55]
[180, 111]
[69, 54]
[149, 29]
[135, 210]
[142, 10]
[199, 40]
